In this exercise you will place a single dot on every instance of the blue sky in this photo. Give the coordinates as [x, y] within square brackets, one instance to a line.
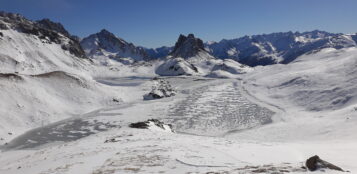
[154, 23]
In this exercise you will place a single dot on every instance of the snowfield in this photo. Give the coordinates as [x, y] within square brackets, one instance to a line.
[71, 116]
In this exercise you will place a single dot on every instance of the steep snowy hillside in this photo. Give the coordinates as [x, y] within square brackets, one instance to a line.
[107, 45]
[29, 47]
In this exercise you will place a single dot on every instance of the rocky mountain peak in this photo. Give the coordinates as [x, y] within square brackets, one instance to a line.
[105, 32]
[55, 26]
[187, 46]
[106, 43]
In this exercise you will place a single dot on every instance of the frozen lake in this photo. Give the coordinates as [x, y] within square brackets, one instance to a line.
[210, 107]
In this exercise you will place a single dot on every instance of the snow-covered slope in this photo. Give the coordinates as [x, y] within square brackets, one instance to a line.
[30, 101]
[253, 125]
[176, 67]
[269, 120]
[325, 80]
[229, 68]
[106, 44]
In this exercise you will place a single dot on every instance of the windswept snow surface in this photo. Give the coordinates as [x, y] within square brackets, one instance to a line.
[270, 120]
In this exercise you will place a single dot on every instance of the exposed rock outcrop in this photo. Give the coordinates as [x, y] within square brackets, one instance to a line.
[151, 123]
[54, 26]
[161, 89]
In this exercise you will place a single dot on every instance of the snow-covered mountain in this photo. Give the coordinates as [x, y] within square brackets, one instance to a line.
[107, 44]
[188, 57]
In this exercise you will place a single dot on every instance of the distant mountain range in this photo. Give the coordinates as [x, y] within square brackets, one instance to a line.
[278, 47]
[265, 49]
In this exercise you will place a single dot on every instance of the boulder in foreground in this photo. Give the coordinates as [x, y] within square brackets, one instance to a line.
[314, 163]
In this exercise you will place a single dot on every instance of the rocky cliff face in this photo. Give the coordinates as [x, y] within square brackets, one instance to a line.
[107, 44]
[187, 46]
[44, 29]
[48, 24]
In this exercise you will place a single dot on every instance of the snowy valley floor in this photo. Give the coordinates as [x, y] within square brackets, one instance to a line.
[221, 126]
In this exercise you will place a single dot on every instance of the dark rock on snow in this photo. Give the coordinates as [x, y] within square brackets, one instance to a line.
[146, 124]
[314, 163]
[161, 89]
[48, 24]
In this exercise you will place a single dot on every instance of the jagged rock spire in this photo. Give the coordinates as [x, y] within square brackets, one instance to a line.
[186, 47]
